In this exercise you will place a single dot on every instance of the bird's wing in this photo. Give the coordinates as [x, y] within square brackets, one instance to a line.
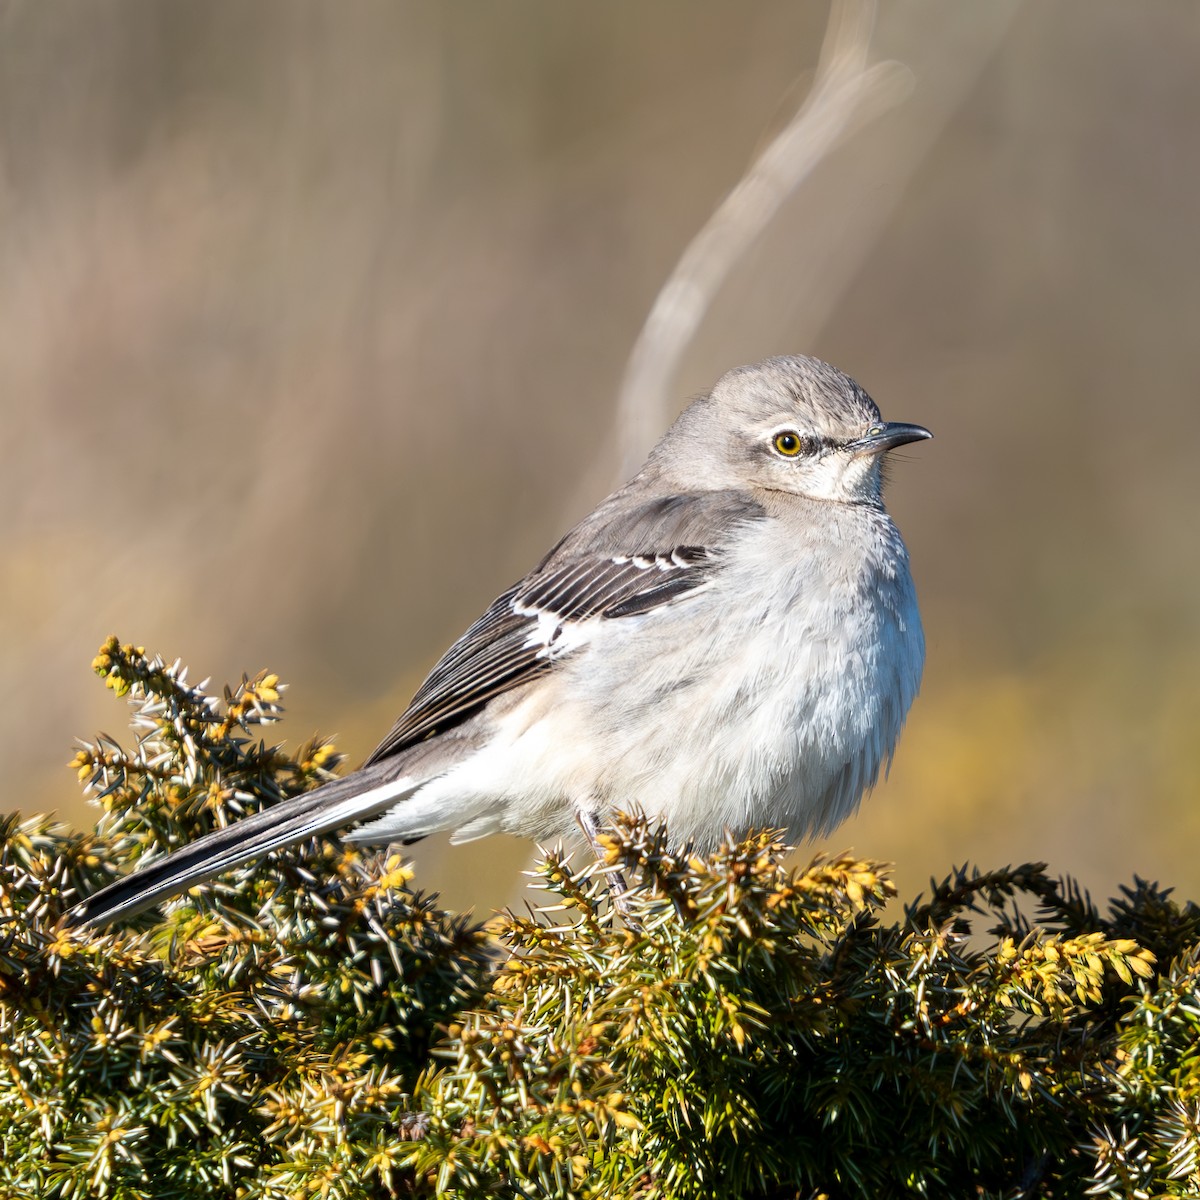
[623, 561]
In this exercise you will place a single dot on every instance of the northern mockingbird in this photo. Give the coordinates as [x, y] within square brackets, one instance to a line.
[729, 640]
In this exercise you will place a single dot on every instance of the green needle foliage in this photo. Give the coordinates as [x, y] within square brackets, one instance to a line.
[310, 1026]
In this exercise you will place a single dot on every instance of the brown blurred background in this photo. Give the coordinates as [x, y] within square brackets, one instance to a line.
[312, 317]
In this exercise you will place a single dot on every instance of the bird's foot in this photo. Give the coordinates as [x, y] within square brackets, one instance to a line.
[618, 889]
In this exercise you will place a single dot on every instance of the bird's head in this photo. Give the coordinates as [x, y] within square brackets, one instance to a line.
[788, 424]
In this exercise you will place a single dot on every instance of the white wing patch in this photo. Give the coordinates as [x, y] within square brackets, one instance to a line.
[584, 591]
[545, 635]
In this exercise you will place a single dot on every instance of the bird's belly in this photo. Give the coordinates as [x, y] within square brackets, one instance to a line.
[780, 732]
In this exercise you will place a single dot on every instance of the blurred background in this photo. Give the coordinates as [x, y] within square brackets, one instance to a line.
[313, 317]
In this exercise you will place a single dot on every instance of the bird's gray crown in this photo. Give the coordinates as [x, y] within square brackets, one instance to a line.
[827, 399]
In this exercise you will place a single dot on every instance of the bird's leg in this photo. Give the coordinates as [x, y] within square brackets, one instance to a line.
[618, 889]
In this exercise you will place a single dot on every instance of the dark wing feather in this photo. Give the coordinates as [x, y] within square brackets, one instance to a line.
[624, 566]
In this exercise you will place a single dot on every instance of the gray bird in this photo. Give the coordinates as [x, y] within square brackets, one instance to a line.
[731, 640]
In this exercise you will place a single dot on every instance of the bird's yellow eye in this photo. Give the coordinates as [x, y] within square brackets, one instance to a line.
[788, 443]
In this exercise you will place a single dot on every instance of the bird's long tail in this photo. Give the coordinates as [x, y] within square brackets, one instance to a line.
[363, 794]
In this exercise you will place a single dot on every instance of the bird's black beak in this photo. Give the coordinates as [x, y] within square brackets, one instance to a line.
[888, 436]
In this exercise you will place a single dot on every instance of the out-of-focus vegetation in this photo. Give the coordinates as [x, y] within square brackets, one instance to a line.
[309, 1026]
[360, 281]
